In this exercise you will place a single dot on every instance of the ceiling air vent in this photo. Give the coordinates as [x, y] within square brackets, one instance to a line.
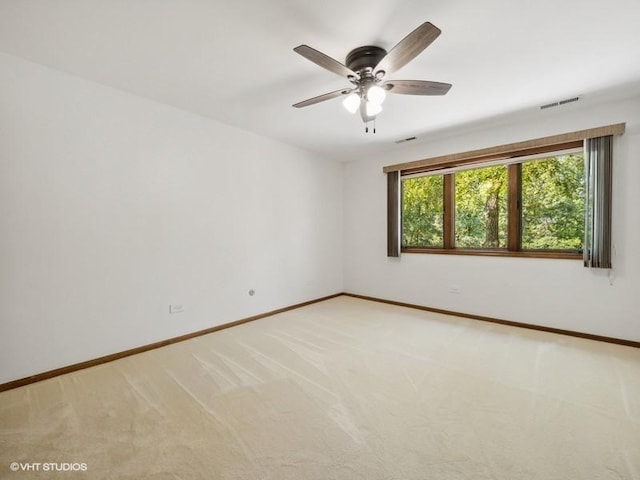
[405, 140]
[560, 102]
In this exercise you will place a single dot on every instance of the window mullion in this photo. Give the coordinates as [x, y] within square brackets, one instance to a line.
[449, 211]
[515, 207]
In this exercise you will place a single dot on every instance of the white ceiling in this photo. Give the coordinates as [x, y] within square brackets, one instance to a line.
[233, 60]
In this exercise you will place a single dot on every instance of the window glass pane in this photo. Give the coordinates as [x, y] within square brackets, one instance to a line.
[553, 203]
[422, 211]
[481, 208]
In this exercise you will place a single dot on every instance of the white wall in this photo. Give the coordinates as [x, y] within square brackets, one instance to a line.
[556, 293]
[113, 206]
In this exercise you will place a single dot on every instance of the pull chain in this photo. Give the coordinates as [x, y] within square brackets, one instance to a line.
[366, 126]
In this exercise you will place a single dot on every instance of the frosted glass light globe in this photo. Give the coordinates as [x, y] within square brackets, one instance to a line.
[352, 102]
[376, 95]
[373, 109]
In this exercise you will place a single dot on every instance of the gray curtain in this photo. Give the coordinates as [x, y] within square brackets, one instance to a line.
[598, 181]
[393, 214]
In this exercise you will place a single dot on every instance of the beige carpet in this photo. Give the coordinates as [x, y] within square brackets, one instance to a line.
[343, 389]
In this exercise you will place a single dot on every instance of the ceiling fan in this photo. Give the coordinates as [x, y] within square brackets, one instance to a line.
[366, 69]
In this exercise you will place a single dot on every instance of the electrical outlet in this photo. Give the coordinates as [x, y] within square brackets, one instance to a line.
[176, 308]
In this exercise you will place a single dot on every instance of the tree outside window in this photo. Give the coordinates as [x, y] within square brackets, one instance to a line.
[547, 196]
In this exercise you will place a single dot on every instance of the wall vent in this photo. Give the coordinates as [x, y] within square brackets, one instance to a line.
[405, 140]
[569, 100]
[560, 102]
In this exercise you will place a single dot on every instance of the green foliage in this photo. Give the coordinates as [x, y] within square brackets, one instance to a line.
[481, 208]
[422, 211]
[552, 206]
[553, 203]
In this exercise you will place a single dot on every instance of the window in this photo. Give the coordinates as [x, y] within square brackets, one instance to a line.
[553, 203]
[481, 208]
[422, 211]
[530, 207]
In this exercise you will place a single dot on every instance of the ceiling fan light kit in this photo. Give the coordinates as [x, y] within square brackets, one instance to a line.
[366, 68]
[352, 102]
[376, 95]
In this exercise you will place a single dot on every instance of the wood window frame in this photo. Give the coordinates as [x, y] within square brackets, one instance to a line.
[514, 212]
[479, 157]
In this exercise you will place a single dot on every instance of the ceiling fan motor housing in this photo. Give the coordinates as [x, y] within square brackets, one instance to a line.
[364, 59]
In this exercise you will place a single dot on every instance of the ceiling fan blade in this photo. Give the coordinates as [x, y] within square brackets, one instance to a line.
[322, 98]
[324, 61]
[408, 48]
[416, 87]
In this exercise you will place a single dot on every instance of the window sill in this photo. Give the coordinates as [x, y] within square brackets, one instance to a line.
[496, 253]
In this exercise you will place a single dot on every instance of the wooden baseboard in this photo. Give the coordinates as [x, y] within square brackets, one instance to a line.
[559, 331]
[115, 356]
